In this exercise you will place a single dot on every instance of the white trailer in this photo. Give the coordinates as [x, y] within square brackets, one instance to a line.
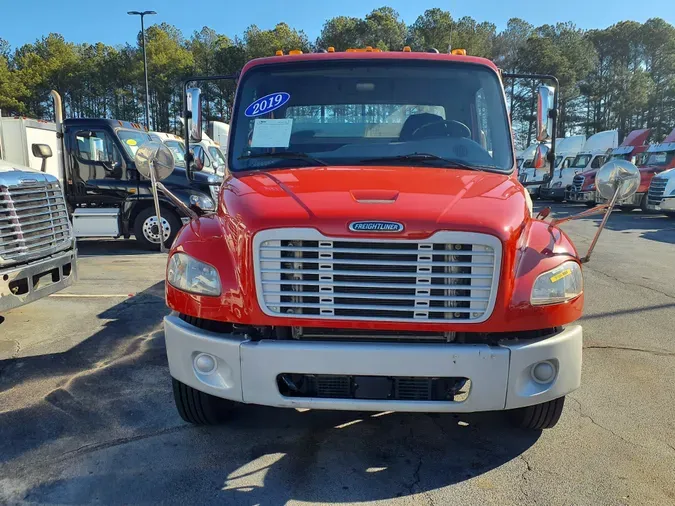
[17, 137]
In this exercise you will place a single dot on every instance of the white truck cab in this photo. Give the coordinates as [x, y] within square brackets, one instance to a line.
[661, 194]
[566, 151]
[594, 154]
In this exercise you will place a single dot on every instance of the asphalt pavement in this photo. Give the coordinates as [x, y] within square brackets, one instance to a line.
[87, 415]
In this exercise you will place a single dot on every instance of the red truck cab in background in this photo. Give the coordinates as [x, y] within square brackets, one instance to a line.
[372, 248]
[632, 149]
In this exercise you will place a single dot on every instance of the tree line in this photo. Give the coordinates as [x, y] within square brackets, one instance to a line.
[619, 77]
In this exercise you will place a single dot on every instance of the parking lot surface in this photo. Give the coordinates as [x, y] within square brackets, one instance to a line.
[87, 414]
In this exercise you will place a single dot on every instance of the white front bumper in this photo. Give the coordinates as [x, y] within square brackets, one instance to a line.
[500, 375]
[666, 205]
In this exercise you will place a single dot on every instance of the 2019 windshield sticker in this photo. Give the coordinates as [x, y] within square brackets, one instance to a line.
[267, 104]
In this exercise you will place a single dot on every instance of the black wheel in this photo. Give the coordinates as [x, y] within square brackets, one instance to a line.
[146, 230]
[539, 416]
[199, 408]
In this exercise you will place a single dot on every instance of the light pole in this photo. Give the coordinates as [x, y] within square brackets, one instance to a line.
[145, 64]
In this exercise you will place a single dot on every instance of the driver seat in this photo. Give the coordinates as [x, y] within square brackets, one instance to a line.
[416, 121]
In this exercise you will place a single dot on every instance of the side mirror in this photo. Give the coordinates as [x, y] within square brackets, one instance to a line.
[194, 104]
[154, 161]
[545, 106]
[198, 159]
[540, 157]
[41, 151]
[615, 181]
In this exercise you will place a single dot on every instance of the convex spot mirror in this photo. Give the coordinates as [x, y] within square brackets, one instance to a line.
[619, 174]
[194, 105]
[545, 104]
[541, 157]
[154, 153]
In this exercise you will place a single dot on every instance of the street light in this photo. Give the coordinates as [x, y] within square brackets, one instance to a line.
[145, 64]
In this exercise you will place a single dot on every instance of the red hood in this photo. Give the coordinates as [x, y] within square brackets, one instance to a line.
[423, 199]
[647, 173]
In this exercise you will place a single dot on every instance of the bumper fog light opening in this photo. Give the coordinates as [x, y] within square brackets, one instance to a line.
[205, 363]
[543, 372]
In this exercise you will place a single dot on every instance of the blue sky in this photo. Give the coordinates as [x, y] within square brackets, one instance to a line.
[24, 21]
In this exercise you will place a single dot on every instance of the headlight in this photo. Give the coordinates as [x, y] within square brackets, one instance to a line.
[561, 284]
[190, 275]
[202, 201]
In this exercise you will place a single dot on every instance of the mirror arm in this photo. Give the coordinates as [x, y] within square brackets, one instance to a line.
[176, 201]
[155, 197]
[602, 225]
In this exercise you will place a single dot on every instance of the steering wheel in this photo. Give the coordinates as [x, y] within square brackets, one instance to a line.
[443, 128]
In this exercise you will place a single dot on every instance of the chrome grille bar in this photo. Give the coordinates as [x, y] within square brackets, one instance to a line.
[451, 276]
[33, 221]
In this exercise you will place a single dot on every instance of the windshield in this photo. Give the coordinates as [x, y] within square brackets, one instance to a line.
[558, 159]
[369, 112]
[132, 140]
[217, 155]
[661, 158]
[177, 149]
[581, 161]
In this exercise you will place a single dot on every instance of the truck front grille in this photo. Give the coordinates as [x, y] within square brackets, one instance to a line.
[451, 276]
[578, 183]
[33, 221]
[656, 190]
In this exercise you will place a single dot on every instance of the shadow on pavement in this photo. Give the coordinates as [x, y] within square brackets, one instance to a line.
[655, 227]
[98, 424]
[88, 387]
[98, 247]
[269, 457]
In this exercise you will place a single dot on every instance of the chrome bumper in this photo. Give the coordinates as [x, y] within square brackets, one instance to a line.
[246, 371]
[21, 284]
[588, 196]
[667, 205]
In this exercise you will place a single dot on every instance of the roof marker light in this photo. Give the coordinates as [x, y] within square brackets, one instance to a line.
[331, 49]
[295, 51]
[279, 53]
[406, 49]
[458, 52]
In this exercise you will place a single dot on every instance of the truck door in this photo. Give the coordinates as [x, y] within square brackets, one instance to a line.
[98, 171]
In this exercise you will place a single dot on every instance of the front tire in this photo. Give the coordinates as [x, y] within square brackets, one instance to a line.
[198, 407]
[539, 416]
[146, 230]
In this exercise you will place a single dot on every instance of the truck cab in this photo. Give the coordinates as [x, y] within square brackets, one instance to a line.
[527, 174]
[632, 148]
[566, 152]
[372, 248]
[661, 194]
[105, 193]
[594, 154]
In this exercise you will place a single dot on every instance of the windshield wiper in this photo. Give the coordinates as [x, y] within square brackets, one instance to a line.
[293, 155]
[429, 157]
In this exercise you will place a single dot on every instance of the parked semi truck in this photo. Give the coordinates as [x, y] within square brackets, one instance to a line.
[632, 148]
[661, 194]
[593, 156]
[402, 272]
[104, 192]
[657, 158]
[566, 152]
[38, 256]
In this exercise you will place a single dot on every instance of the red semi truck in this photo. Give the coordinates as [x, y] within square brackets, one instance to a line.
[372, 248]
[632, 148]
